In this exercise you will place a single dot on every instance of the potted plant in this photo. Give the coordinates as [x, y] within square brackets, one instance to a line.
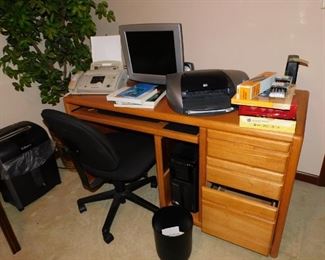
[46, 42]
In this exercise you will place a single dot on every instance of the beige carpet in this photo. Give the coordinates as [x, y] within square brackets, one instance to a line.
[52, 228]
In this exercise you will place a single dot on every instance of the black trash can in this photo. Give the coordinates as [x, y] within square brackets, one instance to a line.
[172, 227]
[28, 167]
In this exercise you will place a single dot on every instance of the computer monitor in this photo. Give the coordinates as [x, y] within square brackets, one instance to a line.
[151, 51]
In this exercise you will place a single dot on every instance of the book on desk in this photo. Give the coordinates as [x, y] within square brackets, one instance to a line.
[149, 100]
[136, 94]
[266, 101]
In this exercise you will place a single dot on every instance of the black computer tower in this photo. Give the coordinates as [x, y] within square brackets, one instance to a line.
[28, 168]
[184, 175]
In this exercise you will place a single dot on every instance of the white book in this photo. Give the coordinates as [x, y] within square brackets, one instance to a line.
[136, 94]
[149, 103]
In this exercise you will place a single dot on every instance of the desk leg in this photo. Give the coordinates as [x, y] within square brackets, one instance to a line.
[162, 177]
[8, 231]
[286, 195]
[202, 168]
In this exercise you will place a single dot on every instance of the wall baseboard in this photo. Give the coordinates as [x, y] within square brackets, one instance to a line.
[307, 177]
[311, 178]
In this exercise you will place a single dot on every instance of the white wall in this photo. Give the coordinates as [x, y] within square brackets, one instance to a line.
[19, 106]
[249, 35]
[253, 36]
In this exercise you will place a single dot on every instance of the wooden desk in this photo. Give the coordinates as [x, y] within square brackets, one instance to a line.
[246, 175]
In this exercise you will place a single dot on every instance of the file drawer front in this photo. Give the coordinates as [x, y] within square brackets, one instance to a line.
[239, 220]
[243, 177]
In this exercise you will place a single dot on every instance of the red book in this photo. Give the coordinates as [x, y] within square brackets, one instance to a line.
[270, 112]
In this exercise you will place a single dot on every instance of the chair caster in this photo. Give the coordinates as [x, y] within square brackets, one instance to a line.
[108, 237]
[153, 183]
[82, 207]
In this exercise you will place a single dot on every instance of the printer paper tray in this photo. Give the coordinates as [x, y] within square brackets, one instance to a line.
[209, 111]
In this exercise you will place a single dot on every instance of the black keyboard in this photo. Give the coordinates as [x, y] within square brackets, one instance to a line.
[110, 113]
[194, 130]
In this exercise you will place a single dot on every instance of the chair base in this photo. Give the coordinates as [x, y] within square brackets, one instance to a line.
[119, 194]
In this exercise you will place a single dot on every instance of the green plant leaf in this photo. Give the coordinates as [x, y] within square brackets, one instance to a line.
[44, 39]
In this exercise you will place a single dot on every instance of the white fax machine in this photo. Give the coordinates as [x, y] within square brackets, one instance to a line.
[103, 78]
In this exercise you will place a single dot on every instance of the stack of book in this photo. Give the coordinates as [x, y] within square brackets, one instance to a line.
[141, 95]
[268, 111]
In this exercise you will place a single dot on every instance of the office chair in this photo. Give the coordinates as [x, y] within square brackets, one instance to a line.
[120, 158]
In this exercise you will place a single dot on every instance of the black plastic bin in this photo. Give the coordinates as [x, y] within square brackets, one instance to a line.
[28, 167]
[174, 246]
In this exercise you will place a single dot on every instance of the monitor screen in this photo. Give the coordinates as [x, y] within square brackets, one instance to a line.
[151, 51]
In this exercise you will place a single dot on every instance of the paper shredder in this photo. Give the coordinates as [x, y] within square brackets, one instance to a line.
[28, 167]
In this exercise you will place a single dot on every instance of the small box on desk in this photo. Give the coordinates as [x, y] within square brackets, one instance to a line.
[255, 86]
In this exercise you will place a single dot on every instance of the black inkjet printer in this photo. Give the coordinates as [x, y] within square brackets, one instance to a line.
[200, 92]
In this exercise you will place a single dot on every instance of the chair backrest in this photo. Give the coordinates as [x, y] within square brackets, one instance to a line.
[88, 146]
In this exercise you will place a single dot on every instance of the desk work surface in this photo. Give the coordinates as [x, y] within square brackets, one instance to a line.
[163, 112]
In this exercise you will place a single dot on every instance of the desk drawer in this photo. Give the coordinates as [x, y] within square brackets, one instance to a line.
[246, 178]
[253, 151]
[264, 143]
[240, 220]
